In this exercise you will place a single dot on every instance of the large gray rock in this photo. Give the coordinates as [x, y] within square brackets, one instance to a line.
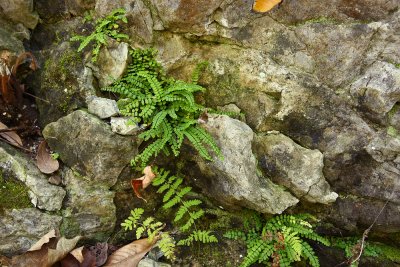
[20, 229]
[20, 11]
[379, 88]
[111, 63]
[42, 194]
[89, 209]
[235, 180]
[87, 144]
[295, 167]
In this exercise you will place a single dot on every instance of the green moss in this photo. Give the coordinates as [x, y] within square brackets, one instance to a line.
[13, 194]
[392, 132]
[69, 227]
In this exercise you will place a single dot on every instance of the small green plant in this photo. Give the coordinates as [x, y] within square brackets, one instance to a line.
[55, 155]
[371, 249]
[152, 229]
[166, 106]
[104, 28]
[280, 240]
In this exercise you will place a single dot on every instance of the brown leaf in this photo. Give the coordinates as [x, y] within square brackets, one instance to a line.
[100, 252]
[44, 240]
[77, 253]
[44, 161]
[79, 257]
[131, 254]
[148, 177]
[12, 137]
[136, 185]
[64, 246]
[5, 261]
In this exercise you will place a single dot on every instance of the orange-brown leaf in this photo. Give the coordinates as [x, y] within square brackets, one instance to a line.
[148, 176]
[131, 254]
[44, 161]
[12, 137]
[136, 185]
[265, 5]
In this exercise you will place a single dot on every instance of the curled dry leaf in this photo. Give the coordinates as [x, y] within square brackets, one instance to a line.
[44, 161]
[143, 182]
[11, 137]
[77, 253]
[44, 240]
[262, 6]
[100, 252]
[131, 254]
[64, 246]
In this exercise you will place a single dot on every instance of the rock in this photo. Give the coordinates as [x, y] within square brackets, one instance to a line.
[102, 107]
[42, 194]
[234, 181]
[9, 39]
[87, 144]
[63, 80]
[111, 63]
[147, 262]
[293, 166]
[124, 126]
[379, 88]
[384, 147]
[89, 209]
[20, 11]
[20, 229]
[140, 18]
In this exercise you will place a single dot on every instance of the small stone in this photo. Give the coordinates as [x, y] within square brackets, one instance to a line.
[124, 126]
[55, 179]
[102, 107]
[147, 262]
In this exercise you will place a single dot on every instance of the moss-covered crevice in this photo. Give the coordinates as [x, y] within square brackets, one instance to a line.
[13, 194]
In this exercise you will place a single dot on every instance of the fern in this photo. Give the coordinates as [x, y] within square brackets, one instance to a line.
[165, 105]
[280, 239]
[151, 228]
[199, 236]
[104, 28]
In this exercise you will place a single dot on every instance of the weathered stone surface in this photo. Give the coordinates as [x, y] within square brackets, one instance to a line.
[20, 11]
[141, 20]
[123, 126]
[10, 40]
[89, 209]
[295, 167]
[384, 147]
[88, 145]
[235, 180]
[20, 229]
[111, 63]
[63, 81]
[42, 194]
[102, 107]
[379, 88]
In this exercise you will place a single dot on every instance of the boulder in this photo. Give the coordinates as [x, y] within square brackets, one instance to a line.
[297, 168]
[235, 181]
[20, 11]
[87, 144]
[42, 194]
[89, 208]
[102, 107]
[20, 229]
[111, 63]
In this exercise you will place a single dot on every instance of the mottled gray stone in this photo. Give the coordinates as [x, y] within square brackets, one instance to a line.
[379, 88]
[235, 180]
[102, 107]
[147, 262]
[20, 229]
[295, 167]
[89, 208]
[111, 63]
[88, 145]
[42, 194]
[124, 126]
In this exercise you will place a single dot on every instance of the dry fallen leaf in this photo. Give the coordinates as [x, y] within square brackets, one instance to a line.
[12, 137]
[143, 182]
[44, 240]
[100, 252]
[265, 5]
[131, 254]
[44, 161]
[77, 253]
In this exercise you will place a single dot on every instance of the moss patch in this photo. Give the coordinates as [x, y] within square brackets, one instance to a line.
[13, 194]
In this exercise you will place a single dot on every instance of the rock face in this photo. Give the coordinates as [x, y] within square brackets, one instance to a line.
[295, 167]
[235, 180]
[20, 229]
[42, 194]
[123, 126]
[87, 144]
[20, 11]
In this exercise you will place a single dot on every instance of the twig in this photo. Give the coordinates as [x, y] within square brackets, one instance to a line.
[12, 129]
[44, 100]
[20, 147]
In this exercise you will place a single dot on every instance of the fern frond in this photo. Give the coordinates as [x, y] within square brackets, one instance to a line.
[198, 236]
[167, 246]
